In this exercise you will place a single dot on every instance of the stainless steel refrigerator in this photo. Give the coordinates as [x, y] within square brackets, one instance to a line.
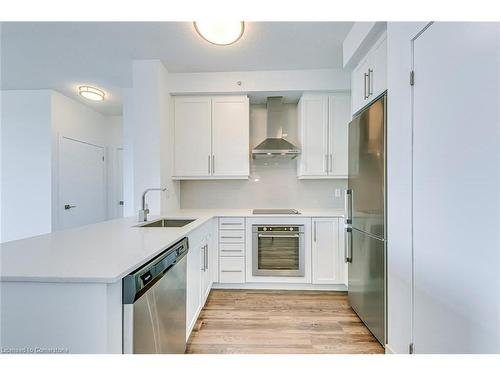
[365, 217]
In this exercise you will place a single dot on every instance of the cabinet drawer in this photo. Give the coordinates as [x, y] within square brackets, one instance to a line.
[232, 223]
[232, 249]
[232, 236]
[232, 270]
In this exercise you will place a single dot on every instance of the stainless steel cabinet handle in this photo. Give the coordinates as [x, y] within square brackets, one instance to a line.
[331, 163]
[206, 257]
[326, 163]
[278, 235]
[231, 271]
[365, 76]
[231, 251]
[231, 237]
[370, 82]
[208, 164]
[203, 264]
[314, 231]
[348, 206]
[213, 164]
[68, 206]
[348, 245]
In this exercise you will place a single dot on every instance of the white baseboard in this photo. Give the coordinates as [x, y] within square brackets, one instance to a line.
[282, 286]
[388, 350]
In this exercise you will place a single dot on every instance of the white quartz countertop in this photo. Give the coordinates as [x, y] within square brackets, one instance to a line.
[106, 252]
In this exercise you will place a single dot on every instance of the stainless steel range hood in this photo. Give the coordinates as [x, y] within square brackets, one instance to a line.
[275, 144]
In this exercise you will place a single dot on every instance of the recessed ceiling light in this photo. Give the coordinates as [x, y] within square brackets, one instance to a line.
[220, 33]
[91, 93]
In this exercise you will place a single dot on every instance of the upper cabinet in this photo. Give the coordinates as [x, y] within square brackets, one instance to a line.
[211, 137]
[369, 78]
[323, 129]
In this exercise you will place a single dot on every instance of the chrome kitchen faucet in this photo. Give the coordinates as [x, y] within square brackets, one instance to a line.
[143, 213]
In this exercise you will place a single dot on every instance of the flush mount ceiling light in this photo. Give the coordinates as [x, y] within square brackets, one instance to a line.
[220, 33]
[91, 93]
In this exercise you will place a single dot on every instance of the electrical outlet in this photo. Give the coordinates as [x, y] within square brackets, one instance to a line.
[337, 193]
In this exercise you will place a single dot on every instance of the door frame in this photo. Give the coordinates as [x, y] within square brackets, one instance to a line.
[59, 199]
[114, 182]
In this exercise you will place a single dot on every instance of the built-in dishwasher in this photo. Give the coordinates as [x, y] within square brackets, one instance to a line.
[154, 304]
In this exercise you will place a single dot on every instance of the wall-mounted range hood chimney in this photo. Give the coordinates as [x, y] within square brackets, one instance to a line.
[275, 144]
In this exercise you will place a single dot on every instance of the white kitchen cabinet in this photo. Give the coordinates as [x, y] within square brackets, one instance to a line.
[193, 285]
[230, 136]
[231, 266]
[211, 137]
[327, 255]
[208, 266]
[323, 128]
[192, 129]
[202, 266]
[369, 78]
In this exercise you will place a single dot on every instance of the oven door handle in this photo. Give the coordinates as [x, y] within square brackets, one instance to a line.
[278, 235]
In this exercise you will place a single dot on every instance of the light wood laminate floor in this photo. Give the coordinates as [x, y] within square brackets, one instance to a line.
[275, 322]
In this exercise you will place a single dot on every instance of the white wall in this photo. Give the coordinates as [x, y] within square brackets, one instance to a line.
[273, 182]
[128, 154]
[257, 81]
[148, 138]
[26, 164]
[359, 40]
[32, 123]
[399, 184]
[75, 120]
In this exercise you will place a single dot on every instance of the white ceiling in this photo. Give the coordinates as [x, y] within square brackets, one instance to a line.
[63, 56]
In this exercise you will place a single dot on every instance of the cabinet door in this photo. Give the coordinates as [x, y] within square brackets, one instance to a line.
[359, 85]
[230, 136]
[339, 115]
[206, 277]
[193, 287]
[192, 136]
[327, 260]
[314, 135]
[378, 78]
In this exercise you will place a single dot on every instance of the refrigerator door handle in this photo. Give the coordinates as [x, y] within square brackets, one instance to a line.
[348, 206]
[348, 245]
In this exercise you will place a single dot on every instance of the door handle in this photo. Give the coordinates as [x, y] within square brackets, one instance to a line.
[348, 245]
[68, 206]
[348, 206]
[278, 235]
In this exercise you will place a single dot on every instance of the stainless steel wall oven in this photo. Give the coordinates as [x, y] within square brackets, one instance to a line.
[278, 250]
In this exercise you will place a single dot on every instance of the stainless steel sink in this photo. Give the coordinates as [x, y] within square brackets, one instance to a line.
[168, 223]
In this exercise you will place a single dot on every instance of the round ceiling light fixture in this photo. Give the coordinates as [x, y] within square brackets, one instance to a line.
[91, 93]
[220, 33]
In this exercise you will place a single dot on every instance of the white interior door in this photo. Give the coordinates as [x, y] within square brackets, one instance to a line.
[118, 203]
[81, 184]
[456, 180]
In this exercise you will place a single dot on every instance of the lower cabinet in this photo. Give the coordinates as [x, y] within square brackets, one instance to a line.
[328, 265]
[201, 270]
[193, 287]
[232, 250]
